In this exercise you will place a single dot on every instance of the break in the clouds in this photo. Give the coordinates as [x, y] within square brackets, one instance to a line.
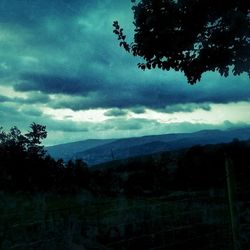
[61, 65]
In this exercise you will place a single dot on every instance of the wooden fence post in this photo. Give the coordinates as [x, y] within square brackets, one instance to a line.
[231, 201]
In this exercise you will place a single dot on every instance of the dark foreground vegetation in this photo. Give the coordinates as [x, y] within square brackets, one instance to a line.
[25, 166]
[172, 200]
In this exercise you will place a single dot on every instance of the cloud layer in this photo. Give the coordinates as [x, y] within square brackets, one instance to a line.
[64, 55]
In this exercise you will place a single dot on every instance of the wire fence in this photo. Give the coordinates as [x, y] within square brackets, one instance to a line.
[158, 223]
[185, 220]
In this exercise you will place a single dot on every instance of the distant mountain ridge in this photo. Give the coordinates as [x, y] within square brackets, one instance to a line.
[67, 150]
[100, 151]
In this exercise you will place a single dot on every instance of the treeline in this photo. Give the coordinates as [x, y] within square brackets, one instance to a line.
[196, 168]
[25, 166]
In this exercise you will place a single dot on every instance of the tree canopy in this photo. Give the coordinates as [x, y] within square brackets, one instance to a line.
[34, 139]
[25, 165]
[29, 144]
[192, 36]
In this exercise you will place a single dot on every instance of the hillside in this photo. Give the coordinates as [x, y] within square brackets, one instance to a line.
[99, 151]
[67, 150]
[197, 167]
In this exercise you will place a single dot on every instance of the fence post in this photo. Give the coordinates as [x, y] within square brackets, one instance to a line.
[231, 201]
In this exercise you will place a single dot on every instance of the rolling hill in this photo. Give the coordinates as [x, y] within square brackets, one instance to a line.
[98, 151]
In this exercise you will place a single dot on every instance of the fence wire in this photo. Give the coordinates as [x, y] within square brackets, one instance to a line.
[200, 221]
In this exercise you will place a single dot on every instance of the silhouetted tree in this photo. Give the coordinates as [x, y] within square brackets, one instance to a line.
[14, 140]
[192, 36]
[24, 164]
[34, 139]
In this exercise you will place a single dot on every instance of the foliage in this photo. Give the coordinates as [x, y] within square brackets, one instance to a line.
[192, 36]
[25, 166]
[38, 132]
[28, 143]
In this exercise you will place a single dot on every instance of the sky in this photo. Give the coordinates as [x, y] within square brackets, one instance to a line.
[61, 66]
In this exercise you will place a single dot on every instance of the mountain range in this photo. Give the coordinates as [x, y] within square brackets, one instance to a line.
[96, 151]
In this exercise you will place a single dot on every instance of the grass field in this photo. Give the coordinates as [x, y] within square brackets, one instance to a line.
[50, 221]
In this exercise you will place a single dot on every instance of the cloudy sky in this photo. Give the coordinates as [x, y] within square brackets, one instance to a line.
[61, 66]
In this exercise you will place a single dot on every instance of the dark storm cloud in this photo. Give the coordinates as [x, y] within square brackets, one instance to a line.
[67, 47]
[85, 93]
[56, 84]
[124, 95]
[164, 96]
